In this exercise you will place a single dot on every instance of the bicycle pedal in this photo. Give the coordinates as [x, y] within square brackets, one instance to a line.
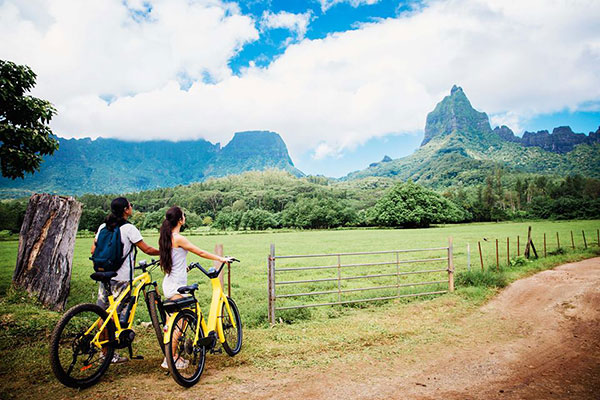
[138, 357]
[219, 351]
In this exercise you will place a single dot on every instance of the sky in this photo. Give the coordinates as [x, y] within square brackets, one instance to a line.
[344, 82]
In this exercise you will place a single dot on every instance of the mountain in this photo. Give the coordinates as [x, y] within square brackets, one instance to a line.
[116, 166]
[561, 140]
[460, 148]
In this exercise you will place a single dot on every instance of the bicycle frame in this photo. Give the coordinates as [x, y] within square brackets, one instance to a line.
[139, 284]
[218, 298]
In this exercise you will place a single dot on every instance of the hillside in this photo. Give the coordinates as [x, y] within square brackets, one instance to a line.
[460, 148]
[115, 166]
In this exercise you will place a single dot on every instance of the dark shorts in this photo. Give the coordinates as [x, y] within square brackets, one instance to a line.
[117, 288]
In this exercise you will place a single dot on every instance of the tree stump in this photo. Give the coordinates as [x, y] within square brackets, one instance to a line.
[46, 244]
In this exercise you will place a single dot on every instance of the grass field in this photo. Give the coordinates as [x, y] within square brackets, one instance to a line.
[249, 278]
[404, 325]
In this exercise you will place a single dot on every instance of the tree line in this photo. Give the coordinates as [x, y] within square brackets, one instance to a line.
[275, 199]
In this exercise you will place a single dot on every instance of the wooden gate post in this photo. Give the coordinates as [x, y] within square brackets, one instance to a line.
[584, 241]
[271, 284]
[497, 257]
[572, 241]
[450, 266]
[557, 241]
[544, 244]
[216, 264]
[46, 245]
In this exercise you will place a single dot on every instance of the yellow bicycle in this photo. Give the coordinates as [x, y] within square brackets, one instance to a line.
[84, 340]
[188, 336]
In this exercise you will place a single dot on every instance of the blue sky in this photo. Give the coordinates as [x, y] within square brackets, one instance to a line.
[344, 82]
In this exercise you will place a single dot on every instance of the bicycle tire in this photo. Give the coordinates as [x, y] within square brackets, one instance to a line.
[189, 376]
[152, 302]
[233, 345]
[73, 336]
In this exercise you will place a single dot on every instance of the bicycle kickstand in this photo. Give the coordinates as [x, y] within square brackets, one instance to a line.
[131, 356]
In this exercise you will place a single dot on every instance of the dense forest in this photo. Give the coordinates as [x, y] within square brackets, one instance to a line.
[276, 199]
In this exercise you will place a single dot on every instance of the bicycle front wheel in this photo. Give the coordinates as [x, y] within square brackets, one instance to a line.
[233, 336]
[184, 357]
[75, 360]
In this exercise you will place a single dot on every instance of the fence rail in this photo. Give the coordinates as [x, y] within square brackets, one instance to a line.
[273, 271]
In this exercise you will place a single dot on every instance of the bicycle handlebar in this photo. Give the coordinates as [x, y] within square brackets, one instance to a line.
[143, 264]
[211, 271]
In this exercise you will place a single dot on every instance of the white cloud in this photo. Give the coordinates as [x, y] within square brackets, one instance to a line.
[513, 59]
[327, 4]
[296, 23]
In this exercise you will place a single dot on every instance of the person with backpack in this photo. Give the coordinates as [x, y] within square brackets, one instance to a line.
[114, 249]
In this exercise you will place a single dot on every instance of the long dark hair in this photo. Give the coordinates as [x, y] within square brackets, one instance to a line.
[117, 211]
[165, 242]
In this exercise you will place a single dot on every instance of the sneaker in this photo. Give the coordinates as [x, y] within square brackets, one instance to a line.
[116, 359]
[180, 364]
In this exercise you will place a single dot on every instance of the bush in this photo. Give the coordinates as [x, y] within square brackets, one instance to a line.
[481, 279]
[411, 205]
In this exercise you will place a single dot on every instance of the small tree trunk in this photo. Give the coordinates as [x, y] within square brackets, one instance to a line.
[46, 245]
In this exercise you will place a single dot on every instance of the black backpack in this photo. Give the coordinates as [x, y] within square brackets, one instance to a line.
[108, 254]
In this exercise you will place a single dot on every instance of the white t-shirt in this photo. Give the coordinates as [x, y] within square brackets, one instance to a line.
[129, 236]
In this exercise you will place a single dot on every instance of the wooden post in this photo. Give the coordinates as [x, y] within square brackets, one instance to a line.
[497, 259]
[544, 244]
[46, 245]
[557, 241]
[527, 246]
[598, 234]
[507, 251]
[518, 247]
[450, 266]
[271, 284]
[217, 264]
[572, 241]
[480, 255]
[584, 241]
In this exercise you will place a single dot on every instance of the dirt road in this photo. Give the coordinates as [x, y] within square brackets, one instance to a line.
[555, 355]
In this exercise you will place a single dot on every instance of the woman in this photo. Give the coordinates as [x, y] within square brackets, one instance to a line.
[173, 251]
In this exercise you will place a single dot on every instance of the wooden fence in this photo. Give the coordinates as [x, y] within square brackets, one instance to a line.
[274, 270]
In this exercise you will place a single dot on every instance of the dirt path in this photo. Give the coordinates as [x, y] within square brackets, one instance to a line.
[556, 356]
[539, 339]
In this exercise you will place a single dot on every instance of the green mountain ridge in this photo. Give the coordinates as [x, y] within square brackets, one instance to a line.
[116, 166]
[460, 148]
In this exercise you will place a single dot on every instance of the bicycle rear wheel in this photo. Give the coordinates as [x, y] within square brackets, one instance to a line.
[184, 358]
[233, 336]
[152, 299]
[75, 360]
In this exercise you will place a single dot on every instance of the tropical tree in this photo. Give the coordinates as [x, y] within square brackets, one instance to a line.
[412, 205]
[24, 132]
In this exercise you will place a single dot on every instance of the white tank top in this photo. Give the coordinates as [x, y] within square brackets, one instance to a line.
[178, 276]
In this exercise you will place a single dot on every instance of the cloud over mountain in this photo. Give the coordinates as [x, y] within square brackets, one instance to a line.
[160, 69]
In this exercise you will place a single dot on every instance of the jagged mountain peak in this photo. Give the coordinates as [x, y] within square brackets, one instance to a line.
[455, 115]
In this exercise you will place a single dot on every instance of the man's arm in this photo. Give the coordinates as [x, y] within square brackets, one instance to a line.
[143, 246]
[93, 247]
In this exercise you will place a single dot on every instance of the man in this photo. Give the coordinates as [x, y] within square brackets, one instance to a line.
[121, 210]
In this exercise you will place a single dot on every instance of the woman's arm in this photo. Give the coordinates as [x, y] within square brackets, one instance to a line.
[189, 246]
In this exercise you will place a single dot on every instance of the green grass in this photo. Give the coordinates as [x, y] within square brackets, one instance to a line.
[249, 278]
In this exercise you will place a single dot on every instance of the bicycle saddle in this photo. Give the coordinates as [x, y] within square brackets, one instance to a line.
[103, 276]
[188, 289]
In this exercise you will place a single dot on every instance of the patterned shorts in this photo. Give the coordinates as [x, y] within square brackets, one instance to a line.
[117, 288]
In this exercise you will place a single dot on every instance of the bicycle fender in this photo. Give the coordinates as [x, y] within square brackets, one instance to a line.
[168, 328]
